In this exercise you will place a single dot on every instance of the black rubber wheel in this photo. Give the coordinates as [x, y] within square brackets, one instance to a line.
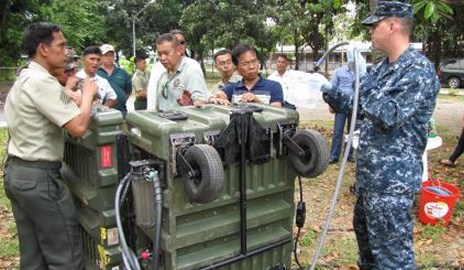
[206, 185]
[454, 82]
[316, 158]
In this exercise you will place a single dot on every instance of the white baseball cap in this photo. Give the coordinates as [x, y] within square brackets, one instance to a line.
[107, 48]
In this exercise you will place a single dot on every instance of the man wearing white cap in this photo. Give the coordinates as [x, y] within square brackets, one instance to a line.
[119, 80]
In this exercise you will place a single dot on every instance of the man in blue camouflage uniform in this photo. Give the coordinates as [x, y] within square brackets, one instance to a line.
[397, 98]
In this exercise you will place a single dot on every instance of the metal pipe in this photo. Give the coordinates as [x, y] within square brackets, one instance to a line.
[158, 197]
[244, 119]
[329, 51]
[133, 36]
[334, 199]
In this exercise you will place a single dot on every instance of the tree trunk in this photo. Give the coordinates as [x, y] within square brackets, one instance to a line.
[297, 54]
[372, 4]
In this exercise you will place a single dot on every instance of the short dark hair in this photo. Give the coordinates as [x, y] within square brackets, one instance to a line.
[222, 52]
[239, 50]
[283, 55]
[139, 58]
[92, 50]
[167, 37]
[177, 31]
[36, 33]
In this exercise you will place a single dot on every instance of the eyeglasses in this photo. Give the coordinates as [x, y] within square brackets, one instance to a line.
[182, 42]
[251, 63]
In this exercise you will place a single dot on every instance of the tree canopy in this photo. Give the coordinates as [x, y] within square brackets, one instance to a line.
[212, 24]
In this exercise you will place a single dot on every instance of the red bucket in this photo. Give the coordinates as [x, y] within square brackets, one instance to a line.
[437, 202]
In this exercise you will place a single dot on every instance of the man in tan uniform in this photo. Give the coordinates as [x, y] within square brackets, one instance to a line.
[36, 110]
[140, 82]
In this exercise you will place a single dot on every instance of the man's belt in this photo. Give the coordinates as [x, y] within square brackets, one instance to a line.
[39, 164]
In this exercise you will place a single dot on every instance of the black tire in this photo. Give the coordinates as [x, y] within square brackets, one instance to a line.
[207, 185]
[316, 158]
[454, 82]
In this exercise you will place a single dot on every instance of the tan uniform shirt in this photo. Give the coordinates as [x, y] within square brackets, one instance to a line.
[220, 85]
[36, 108]
[140, 81]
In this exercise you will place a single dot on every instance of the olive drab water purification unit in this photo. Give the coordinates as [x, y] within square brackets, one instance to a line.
[196, 188]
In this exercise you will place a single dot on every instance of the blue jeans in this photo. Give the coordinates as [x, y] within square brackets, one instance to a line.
[337, 139]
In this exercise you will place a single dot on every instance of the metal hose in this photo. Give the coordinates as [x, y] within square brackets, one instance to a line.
[129, 258]
[333, 202]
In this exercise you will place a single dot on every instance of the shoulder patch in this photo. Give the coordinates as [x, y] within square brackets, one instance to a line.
[64, 97]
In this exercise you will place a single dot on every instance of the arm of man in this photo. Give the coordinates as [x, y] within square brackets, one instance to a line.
[137, 85]
[128, 85]
[277, 95]
[197, 87]
[219, 97]
[392, 106]
[71, 91]
[110, 97]
[78, 125]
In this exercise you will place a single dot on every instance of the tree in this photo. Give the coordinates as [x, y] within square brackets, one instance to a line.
[14, 16]
[80, 22]
[432, 16]
[211, 24]
[159, 17]
[308, 22]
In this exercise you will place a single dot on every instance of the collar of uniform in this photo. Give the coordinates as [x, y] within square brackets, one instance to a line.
[183, 62]
[404, 56]
[241, 83]
[38, 67]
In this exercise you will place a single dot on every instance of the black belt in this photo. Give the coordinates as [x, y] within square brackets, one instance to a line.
[40, 164]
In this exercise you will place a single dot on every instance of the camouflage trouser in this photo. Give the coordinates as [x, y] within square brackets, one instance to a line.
[384, 230]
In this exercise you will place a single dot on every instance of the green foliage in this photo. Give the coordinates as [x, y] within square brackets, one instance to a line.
[9, 246]
[307, 22]
[308, 239]
[154, 18]
[453, 92]
[433, 232]
[215, 24]
[80, 22]
[128, 66]
[14, 16]
[432, 10]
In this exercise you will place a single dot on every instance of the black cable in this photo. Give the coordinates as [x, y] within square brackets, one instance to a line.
[299, 222]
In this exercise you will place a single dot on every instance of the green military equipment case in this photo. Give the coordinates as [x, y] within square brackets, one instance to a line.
[197, 188]
[90, 171]
[198, 235]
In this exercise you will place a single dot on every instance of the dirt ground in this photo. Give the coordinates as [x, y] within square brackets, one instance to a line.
[448, 113]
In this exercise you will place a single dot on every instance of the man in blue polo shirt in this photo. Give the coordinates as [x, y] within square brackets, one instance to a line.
[253, 87]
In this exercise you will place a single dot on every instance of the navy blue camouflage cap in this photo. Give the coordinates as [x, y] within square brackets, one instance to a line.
[387, 9]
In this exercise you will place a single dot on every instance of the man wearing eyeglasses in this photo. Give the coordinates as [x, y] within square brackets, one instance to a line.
[253, 87]
[180, 84]
[223, 63]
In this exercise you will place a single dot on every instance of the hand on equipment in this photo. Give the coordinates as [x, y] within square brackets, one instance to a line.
[326, 87]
